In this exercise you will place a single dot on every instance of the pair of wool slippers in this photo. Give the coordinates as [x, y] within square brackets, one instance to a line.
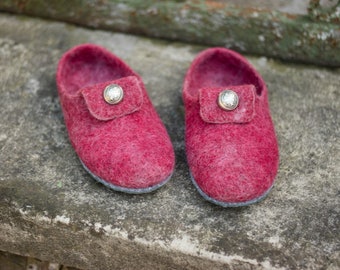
[115, 130]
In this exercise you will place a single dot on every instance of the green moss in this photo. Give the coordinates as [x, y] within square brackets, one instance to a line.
[273, 34]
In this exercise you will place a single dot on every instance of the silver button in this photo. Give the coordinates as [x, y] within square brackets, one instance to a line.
[228, 100]
[113, 94]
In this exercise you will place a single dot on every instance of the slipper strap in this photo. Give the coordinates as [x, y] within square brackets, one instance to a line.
[212, 111]
[101, 109]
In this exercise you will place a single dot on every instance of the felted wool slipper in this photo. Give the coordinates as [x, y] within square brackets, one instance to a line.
[231, 144]
[112, 125]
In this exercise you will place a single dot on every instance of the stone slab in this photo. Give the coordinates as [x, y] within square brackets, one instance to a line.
[51, 209]
[10, 261]
[296, 30]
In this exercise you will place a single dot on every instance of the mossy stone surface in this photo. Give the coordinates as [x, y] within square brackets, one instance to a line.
[296, 31]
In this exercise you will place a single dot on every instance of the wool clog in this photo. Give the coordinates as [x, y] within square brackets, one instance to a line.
[111, 122]
[231, 145]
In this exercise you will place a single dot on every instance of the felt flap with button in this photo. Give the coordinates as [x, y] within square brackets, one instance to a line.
[102, 110]
[212, 112]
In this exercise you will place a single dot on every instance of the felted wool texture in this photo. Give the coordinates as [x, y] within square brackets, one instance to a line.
[126, 144]
[232, 155]
[100, 109]
[211, 112]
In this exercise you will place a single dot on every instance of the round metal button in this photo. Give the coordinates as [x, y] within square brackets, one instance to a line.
[113, 94]
[228, 100]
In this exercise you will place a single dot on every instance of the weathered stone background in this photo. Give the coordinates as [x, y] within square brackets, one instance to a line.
[294, 30]
[50, 208]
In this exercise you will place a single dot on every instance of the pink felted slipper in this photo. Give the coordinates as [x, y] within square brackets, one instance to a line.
[111, 122]
[231, 144]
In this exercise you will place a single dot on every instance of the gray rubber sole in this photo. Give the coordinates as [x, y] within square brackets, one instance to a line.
[225, 204]
[123, 189]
